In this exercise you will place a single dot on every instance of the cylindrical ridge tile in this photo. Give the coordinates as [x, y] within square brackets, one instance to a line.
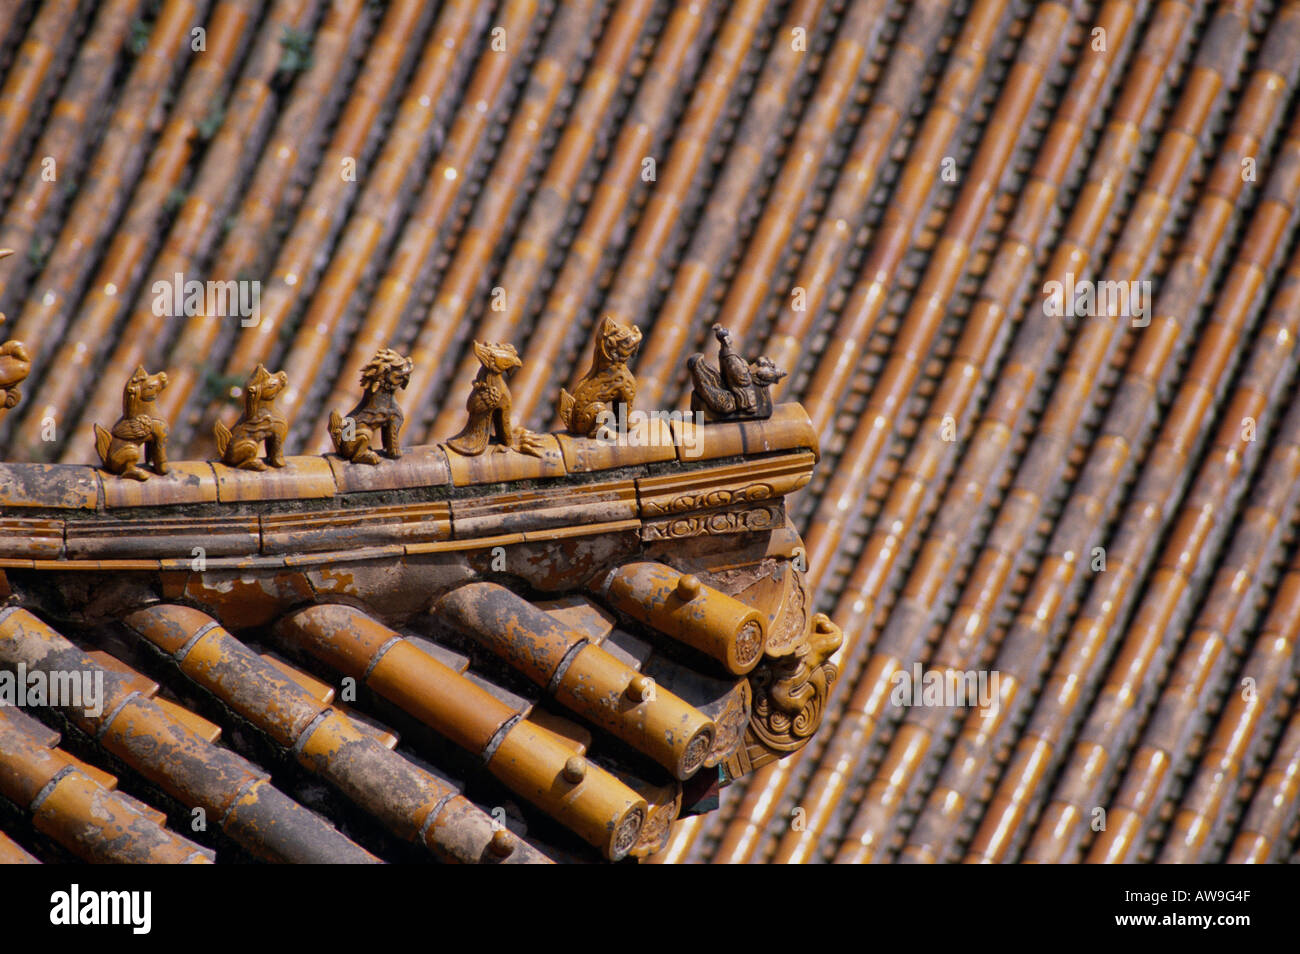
[597, 808]
[79, 813]
[583, 676]
[584, 798]
[171, 755]
[681, 606]
[406, 799]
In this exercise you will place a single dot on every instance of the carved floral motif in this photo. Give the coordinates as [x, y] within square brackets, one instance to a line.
[654, 833]
[729, 728]
[791, 620]
[726, 521]
[710, 498]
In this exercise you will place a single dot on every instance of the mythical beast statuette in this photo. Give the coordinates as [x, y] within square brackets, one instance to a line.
[15, 365]
[489, 406]
[120, 448]
[239, 445]
[377, 416]
[790, 694]
[736, 389]
[607, 384]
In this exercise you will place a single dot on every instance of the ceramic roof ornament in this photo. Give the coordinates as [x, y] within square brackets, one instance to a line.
[736, 389]
[607, 383]
[15, 365]
[790, 694]
[377, 416]
[139, 433]
[657, 671]
[489, 406]
[976, 457]
[239, 445]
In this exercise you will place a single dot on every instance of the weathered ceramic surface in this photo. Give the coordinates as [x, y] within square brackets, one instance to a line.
[332, 554]
[780, 466]
[929, 213]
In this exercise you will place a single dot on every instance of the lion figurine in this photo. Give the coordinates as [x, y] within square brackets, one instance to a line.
[15, 365]
[240, 444]
[120, 448]
[607, 383]
[376, 415]
[489, 407]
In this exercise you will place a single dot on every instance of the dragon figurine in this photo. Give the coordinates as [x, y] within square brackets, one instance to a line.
[489, 407]
[120, 448]
[736, 389]
[607, 383]
[376, 415]
[789, 695]
[240, 444]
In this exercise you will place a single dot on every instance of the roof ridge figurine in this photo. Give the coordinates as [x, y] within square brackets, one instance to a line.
[736, 389]
[15, 365]
[607, 383]
[120, 448]
[259, 423]
[489, 406]
[377, 415]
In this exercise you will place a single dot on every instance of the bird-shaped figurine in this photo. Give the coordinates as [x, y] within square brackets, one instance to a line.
[736, 389]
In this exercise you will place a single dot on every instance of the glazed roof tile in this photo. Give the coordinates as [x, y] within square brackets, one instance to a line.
[874, 194]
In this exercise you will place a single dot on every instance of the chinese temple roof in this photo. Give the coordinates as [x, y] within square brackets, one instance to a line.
[1002, 397]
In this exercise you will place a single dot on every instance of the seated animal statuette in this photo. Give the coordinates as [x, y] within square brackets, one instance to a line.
[489, 407]
[239, 446]
[607, 383]
[120, 448]
[15, 365]
[377, 416]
